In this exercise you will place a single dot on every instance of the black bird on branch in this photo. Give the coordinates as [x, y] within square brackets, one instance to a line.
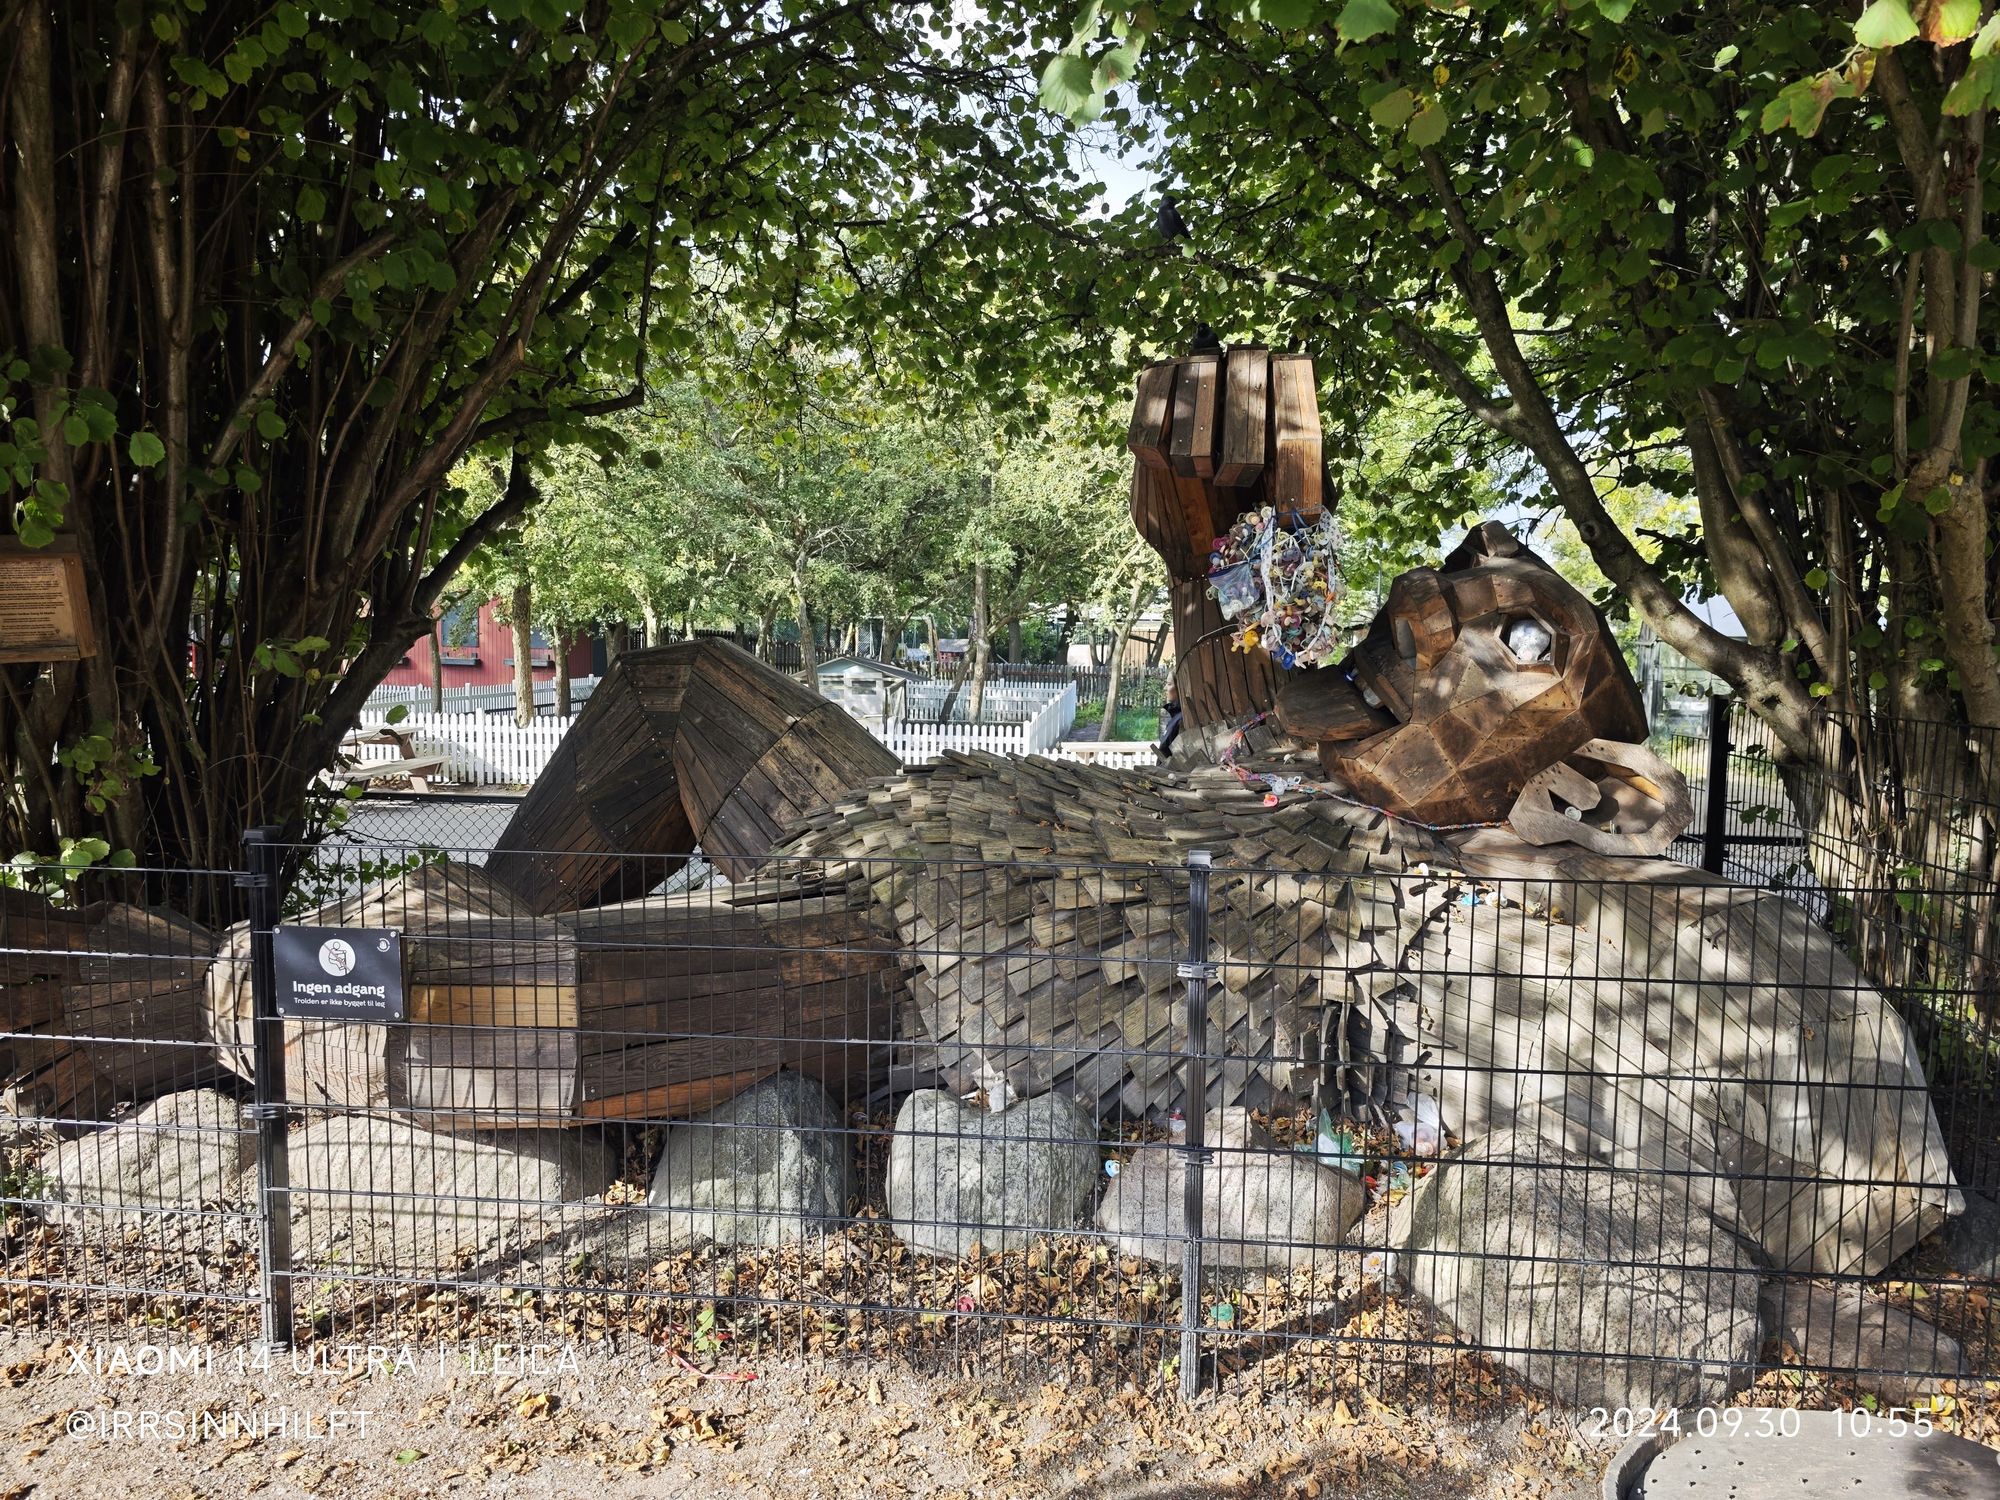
[1169, 223]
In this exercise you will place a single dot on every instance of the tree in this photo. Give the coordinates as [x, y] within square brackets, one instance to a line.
[269, 271]
[1734, 253]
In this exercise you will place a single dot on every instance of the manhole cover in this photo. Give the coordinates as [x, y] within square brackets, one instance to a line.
[1758, 1455]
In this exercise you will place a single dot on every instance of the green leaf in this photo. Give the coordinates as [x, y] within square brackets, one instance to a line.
[146, 450]
[1361, 19]
[1885, 23]
[1815, 578]
[1614, 10]
[1114, 68]
[1393, 108]
[1950, 364]
[312, 204]
[270, 426]
[1725, 57]
[1286, 15]
[1954, 21]
[1976, 88]
[311, 643]
[1989, 34]
[397, 713]
[75, 430]
[1427, 125]
[1066, 84]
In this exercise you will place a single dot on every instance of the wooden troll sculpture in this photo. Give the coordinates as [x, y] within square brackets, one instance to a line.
[1486, 691]
[1014, 924]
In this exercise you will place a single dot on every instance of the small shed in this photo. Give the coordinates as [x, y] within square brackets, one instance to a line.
[872, 691]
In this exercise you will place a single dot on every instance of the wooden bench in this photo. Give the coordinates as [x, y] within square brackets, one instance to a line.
[417, 767]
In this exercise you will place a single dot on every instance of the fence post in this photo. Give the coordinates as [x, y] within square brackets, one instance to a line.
[267, 1109]
[1197, 971]
[1715, 799]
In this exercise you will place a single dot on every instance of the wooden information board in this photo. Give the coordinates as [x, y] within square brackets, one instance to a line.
[44, 610]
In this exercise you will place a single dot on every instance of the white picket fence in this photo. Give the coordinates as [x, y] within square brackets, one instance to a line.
[1003, 703]
[917, 742]
[479, 750]
[487, 750]
[494, 698]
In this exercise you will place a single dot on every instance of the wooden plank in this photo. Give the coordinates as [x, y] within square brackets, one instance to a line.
[1191, 452]
[1152, 415]
[675, 1100]
[1246, 403]
[1295, 438]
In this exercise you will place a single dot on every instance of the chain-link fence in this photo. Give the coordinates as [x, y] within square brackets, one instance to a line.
[1333, 1121]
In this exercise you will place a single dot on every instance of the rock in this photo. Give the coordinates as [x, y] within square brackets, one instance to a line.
[960, 1176]
[1891, 1352]
[1972, 1239]
[1790, 1096]
[1608, 1288]
[1263, 1208]
[772, 1164]
[181, 1151]
[373, 1192]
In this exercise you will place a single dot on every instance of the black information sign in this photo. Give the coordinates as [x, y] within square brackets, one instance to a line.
[338, 973]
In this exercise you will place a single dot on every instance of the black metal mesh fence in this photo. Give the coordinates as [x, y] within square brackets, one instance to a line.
[1436, 1130]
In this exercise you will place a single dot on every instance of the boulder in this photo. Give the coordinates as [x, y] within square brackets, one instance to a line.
[1606, 1287]
[772, 1164]
[960, 1176]
[376, 1194]
[1263, 1208]
[1971, 1240]
[1884, 1349]
[181, 1152]
[1659, 1019]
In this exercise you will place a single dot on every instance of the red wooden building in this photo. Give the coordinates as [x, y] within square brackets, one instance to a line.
[476, 650]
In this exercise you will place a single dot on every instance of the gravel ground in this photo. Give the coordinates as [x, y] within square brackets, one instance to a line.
[588, 1421]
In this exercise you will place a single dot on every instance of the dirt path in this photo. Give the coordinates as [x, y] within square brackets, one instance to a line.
[585, 1423]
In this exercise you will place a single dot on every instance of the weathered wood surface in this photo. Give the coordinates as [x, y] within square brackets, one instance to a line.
[686, 1000]
[1219, 435]
[100, 1004]
[644, 1009]
[349, 1065]
[1295, 465]
[1652, 1017]
[1437, 716]
[1214, 436]
[1034, 968]
[1219, 687]
[683, 745]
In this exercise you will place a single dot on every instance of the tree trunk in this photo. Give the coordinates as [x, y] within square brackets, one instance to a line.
[437, 668]
[1014, 641]
[651, 618]
[981, 644]
[808, 647]
[564, 639]
[1109, 729]
[518, 611]
[617, 640]
[767, 627]
[930, 635]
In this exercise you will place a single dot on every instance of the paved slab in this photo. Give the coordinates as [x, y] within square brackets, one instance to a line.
[1757, 1454]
